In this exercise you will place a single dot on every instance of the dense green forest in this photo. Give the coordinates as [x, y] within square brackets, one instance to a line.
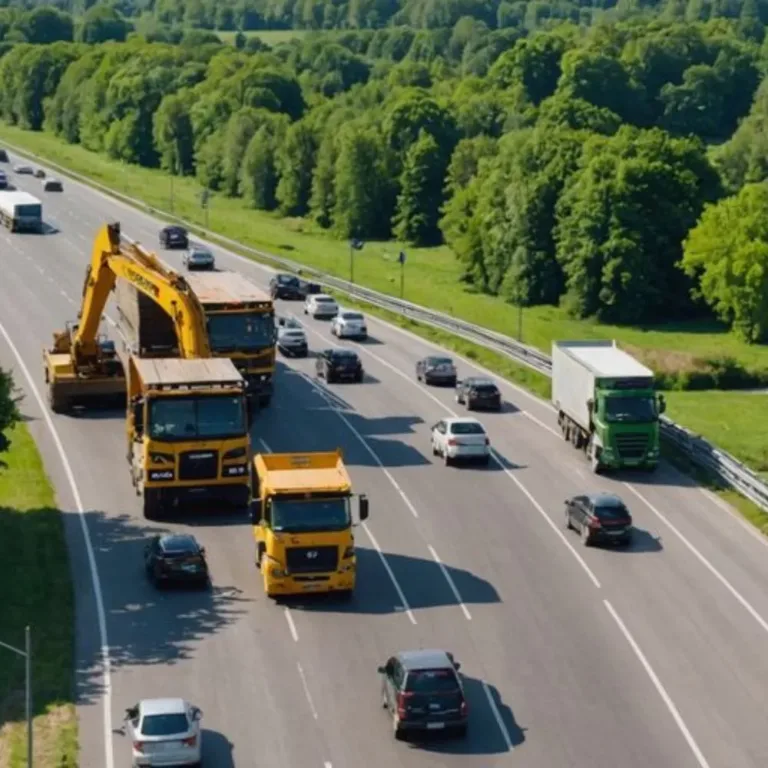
[569, 165]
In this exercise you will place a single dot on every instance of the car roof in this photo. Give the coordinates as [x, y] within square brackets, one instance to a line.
[461, 420]
[162, 706]
[350, 312]
[438, 357]
[342, 352]
[480, 380]
[322, 296]
[199, 247]
[605, 500]
[178, 542]
[425, 658]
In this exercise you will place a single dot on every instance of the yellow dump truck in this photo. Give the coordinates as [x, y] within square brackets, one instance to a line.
[302, 518]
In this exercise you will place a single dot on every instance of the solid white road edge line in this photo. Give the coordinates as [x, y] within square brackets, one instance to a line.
[659, 687]
[703, 560]
[306, 690]
[403, 602]
[498, 717]
[451, 584]
[496, 458]
[94, 571]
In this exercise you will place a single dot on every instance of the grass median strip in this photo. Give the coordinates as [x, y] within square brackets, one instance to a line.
[37, 591]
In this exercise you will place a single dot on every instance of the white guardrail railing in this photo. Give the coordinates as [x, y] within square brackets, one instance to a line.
[701, 453]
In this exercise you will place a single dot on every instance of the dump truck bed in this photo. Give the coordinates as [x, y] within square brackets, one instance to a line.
[225, 288]
[177, 372]
[297, 472]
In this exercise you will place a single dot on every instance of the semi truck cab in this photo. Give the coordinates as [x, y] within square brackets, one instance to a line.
[302, 523]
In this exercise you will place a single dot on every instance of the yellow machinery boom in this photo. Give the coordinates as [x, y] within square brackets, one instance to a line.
[82, 365]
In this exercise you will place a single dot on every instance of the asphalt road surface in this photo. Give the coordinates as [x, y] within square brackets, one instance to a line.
[573, 657]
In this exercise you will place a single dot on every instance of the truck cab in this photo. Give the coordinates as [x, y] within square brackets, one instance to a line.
[188, 440]
[302, 523]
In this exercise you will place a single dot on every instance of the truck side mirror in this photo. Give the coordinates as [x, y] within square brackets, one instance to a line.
[364, 511]
[138, 418]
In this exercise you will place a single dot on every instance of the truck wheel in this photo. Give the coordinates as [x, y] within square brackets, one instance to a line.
[260, 552]
[151, 504]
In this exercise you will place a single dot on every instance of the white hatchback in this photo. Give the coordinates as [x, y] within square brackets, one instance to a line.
[457, 439]
[321, 305]
[165, 732]
[349, 325]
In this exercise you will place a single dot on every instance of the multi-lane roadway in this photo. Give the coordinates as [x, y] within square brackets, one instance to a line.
[574, 657]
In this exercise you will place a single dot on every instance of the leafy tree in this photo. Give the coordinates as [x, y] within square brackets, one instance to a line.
[258, 180]
[46, 24]
[727, 254]
[172, 134]
[323, 197]
[10, 414]
[101, 23]
[420, 199]
[295, 161]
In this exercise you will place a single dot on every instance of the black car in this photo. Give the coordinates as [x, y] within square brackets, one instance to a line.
[39, 173]
[283, 286]
[175, 558]
[3, 180]
[477, 392]
[174, 237]
[339, 365]
[4, 156]
[599, 517]
[423, 692]
[437, 370]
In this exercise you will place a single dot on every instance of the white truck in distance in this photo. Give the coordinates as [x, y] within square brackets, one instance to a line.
[606, 404]
[21, 212]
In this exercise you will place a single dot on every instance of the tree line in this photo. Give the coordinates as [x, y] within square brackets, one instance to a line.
[567, 166]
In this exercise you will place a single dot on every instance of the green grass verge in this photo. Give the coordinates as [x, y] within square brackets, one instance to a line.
[37, 591]
[269, 36]
[431, 279]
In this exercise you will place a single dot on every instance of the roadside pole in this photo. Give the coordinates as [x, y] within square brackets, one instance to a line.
[27, 654]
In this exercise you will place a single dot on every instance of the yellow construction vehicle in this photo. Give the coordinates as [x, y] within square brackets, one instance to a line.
[187, 423]
[302, 518]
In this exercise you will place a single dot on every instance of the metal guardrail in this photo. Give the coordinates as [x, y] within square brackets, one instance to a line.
[701, 453]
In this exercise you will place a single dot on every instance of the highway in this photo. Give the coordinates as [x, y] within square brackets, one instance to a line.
[573, 657]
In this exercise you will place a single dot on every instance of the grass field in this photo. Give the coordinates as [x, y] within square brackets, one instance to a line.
[431, 279]
[37, 590]
[269, 36]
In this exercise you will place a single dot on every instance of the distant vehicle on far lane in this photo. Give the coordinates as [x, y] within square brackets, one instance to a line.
[39, 173]
[174, 236]
[199, 257]
[478, 392]
[23, 170]
[52, 185]
[437, 369]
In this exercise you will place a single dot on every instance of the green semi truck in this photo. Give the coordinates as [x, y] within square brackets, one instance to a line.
[606, 404]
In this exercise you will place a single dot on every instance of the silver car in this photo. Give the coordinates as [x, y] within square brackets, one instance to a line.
[457, 439]
[165, 732]
[198, 257]
[292, 341]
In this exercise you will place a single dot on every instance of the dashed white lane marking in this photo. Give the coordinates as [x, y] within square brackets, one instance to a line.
[306, 691]
[291, 624]
[703, 560]
[403, 602]
[659, 687]
[451, 583]
[93, 568]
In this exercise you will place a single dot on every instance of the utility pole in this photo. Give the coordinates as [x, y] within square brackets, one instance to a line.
[204, 198]
[27, 654]
[173, 173]
[354, 245]
[401, 259]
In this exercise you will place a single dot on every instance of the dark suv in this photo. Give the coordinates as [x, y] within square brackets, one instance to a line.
[599, 517]
[423, 692]
[338, 364]
[284, 286]
[174, 236]
[477, 392]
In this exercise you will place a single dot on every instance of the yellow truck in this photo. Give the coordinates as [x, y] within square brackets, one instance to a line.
[302, 523]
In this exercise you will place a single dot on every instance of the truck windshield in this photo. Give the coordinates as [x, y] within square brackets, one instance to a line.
[246, 332]
[30, 211]
[191, 418]
[637, 410]
[295, 516]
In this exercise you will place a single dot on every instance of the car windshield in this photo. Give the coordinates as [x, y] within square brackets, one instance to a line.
[294, 516]
[164, 725]
[344, 357]
[353, 316]
[294, 334]
[287, 280]
[467, 428]
[439, 361]
[32, 210]
[485, 389]
[179, 545]
[202, 255]
[324, 300]
[431, 681]
[188, 418]
[244, 332]
[638, 410]
[611, 512]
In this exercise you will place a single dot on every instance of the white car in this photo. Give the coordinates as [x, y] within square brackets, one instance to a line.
[293, 342]
[349, 325]
[321, 305]
[461, 439]
[165, 732]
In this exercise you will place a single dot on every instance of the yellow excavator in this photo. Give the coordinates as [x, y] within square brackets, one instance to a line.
[83, 366]
[187, 417]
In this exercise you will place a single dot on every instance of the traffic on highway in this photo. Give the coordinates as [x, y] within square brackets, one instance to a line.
[427, 573]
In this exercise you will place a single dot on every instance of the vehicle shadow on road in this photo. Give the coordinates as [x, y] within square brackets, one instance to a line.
[422, 581]
[147, 626]
[484, 735]
[643, 542]
[664, 475]
[217, 749]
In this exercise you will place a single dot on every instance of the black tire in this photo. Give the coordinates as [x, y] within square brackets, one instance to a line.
[329, 377]
[359, 377]
[151, 504]
[469, 404]
[400, 734]
[568, 523]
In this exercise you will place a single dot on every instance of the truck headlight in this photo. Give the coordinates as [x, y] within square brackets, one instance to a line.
[278, 573]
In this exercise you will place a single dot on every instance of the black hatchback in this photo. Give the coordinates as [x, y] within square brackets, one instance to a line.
[424, 693]
[284, 286]
[476, 392]
[175, 558]
[339, 365]
[599, 518]
[174, 236]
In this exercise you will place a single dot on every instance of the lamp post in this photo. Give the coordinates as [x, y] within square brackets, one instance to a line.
[354, 245]
[520, 322]
[204, 196]
[173, 173]
[401, 259]
[27, 654]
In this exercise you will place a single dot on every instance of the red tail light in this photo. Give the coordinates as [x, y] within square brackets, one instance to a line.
[453, 441]
[138, 746]
[595, 523]
[464, 709]
[190, 742]
[401, 704]
[487, 440]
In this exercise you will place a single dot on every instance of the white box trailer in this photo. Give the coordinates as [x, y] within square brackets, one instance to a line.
[21, 212]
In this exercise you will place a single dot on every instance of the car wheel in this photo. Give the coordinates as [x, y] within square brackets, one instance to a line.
[469, 405]
[399, 733]
[568, 523]
[435, 452]
[585, 538]
[418, 376]
[447, 459]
